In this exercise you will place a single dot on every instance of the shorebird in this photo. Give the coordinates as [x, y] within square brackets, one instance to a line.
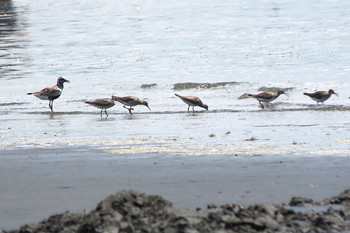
[321, 96]
[267, 97]
[102, 104]
[192, 101]
[130, 101]
[51, 93]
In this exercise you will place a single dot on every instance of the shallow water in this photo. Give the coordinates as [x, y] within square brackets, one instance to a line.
[217, 50]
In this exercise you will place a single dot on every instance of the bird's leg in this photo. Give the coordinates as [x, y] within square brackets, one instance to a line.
[192, 108]
[51, 105]
[261, 105]
[106, 112]
[267, 104]
[188, 109]
[128, 109]
[101, 112]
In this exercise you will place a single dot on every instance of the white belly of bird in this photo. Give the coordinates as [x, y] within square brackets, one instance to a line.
[42, 97]
[102, 107]
[321, 100]
[46, 97]
[189, 103]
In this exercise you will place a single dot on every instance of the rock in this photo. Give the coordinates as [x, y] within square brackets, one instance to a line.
[129, 211]
[55, 223]
[86, 228]
[300, 201]
[342, 198]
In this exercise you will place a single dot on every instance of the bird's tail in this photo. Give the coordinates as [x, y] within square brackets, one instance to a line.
[29, 93]
[308, 94]
[249, 94]
[177, 95]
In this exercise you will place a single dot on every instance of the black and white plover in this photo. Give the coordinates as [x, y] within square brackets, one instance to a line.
[51, 93]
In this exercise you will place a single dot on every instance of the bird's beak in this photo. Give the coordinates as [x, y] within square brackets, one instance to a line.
[286, 94]
[67, 81]
[336, 94]
[149, 108]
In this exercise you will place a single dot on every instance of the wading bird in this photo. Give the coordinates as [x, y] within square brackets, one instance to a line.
[321, 96]
[130, 101]
[267, 97]
[51, 93]
[102, 104]
[192, 101]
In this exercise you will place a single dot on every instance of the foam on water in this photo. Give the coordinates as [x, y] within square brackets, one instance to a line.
[179, 145]
[185, 86]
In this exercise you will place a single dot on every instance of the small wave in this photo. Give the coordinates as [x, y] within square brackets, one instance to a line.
[286, 125]
[147, 86]
[329, 108]
[12, 103]
[184, 86]
[275, 89]
[341, 108]
[59, 113]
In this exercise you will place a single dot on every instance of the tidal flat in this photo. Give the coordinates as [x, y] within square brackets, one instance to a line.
[221, 51]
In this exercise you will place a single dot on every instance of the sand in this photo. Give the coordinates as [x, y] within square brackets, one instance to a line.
[37, 183]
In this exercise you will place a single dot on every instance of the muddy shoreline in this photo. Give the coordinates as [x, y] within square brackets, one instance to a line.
[129, 211]
[41, 182]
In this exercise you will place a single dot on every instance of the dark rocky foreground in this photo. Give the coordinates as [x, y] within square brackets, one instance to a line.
[128, 211]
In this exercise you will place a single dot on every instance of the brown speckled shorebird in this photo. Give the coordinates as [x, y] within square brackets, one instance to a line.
[130, 101]
[267, 97]
[51, 93]
[321, 96]
[192, 101]
[102, 104]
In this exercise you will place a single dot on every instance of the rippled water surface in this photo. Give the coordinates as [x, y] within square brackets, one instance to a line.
[216, 50]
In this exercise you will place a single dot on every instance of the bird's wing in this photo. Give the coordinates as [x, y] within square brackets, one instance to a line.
[317, 94]
[193, 99]
[51, 91]
[190, 100]
[127, 99]
[264, 95]
[103, 102]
